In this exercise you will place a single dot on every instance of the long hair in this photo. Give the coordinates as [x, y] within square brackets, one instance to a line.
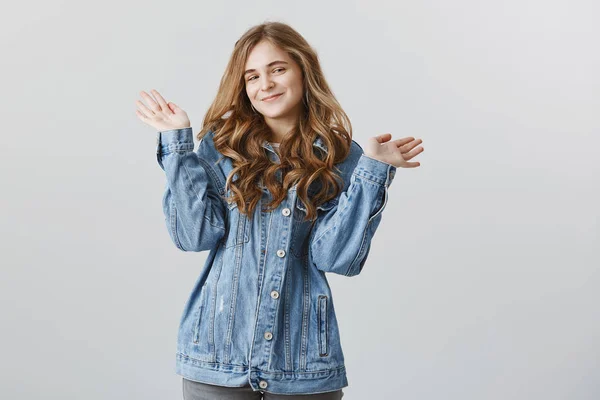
[239, 131]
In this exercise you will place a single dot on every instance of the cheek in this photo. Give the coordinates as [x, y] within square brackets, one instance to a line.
[298, 92]
[297, 87]
[250, 93]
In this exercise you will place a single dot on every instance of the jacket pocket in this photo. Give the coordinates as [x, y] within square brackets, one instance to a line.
[323, 327]
[200, 312]
[238, 227]
[300, 232]
[302, 227]
[301, 209]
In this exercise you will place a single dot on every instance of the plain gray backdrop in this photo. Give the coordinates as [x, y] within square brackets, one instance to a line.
[483, 277]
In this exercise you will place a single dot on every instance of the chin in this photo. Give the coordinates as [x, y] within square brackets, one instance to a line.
[276, 113]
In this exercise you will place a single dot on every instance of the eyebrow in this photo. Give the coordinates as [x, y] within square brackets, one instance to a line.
[268, 65]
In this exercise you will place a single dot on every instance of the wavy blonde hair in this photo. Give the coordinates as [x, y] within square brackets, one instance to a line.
[239, 132]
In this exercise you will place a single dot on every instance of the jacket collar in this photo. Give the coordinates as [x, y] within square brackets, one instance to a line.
[318, 142]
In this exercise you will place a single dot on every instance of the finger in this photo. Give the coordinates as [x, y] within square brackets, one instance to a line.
[411, 164]
[383, 137]
[161, 101]
[403, 141]
[408, 156]
[173, 106]
[411, 145]
[153, 104]
[145, 110]
[141, 115]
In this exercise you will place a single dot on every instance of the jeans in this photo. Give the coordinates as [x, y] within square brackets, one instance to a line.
[202, 391]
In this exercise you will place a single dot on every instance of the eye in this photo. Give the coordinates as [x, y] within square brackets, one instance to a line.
[254, 76]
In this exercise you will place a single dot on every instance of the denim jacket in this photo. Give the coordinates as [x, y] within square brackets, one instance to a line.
[261, 311]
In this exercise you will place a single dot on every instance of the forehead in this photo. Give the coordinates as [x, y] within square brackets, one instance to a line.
[263, 53]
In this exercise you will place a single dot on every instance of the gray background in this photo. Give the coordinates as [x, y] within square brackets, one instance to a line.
[482, 282]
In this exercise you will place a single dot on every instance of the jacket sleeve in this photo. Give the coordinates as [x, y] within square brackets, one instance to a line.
[193, 210]
[341, 238]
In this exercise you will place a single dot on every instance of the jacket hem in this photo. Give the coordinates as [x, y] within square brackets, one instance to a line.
[308, 382]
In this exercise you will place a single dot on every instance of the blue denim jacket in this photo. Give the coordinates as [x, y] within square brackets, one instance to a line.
[261, 311]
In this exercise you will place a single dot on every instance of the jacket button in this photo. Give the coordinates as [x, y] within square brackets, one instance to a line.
[268, 335]
[280, 253]
[275, 294]
[286, 211]
[262, 384]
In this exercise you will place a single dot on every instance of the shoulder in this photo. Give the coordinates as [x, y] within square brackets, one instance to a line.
[344, 170]
[207, 144]
[212, 159]
[347, 165]
[355, 151]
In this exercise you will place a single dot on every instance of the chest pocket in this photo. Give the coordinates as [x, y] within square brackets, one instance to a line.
[301, 230]
[238, 227]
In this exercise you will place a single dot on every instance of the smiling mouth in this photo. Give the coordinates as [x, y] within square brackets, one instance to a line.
[272, 97]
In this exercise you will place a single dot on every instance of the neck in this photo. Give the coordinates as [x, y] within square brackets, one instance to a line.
[282, 125]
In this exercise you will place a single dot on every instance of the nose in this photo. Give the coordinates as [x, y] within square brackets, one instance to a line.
[266, 83]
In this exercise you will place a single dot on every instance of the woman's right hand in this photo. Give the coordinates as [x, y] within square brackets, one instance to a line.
[161, 115]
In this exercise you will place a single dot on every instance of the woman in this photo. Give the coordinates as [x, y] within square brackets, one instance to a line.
[279, 193]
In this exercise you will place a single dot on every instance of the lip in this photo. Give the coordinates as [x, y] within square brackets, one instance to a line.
[273, 97]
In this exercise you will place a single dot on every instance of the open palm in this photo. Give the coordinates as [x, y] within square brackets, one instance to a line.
[159, 114]
[395, 152]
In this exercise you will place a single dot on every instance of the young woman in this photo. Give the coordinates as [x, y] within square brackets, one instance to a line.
[279, 194]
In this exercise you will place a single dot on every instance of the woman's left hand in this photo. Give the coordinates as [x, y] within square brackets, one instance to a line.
[396, 152]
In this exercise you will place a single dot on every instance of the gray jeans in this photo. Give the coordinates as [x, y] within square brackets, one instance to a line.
[202, 391]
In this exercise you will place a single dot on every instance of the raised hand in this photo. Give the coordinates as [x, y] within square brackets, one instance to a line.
[396, 152]
[159, 114]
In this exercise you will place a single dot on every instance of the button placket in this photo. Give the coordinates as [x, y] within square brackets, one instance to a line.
[268, 335]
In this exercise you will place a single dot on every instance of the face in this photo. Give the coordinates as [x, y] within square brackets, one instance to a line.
[272, 71]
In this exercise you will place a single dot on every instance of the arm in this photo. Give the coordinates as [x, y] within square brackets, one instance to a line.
[194, 212]
[341, 238]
